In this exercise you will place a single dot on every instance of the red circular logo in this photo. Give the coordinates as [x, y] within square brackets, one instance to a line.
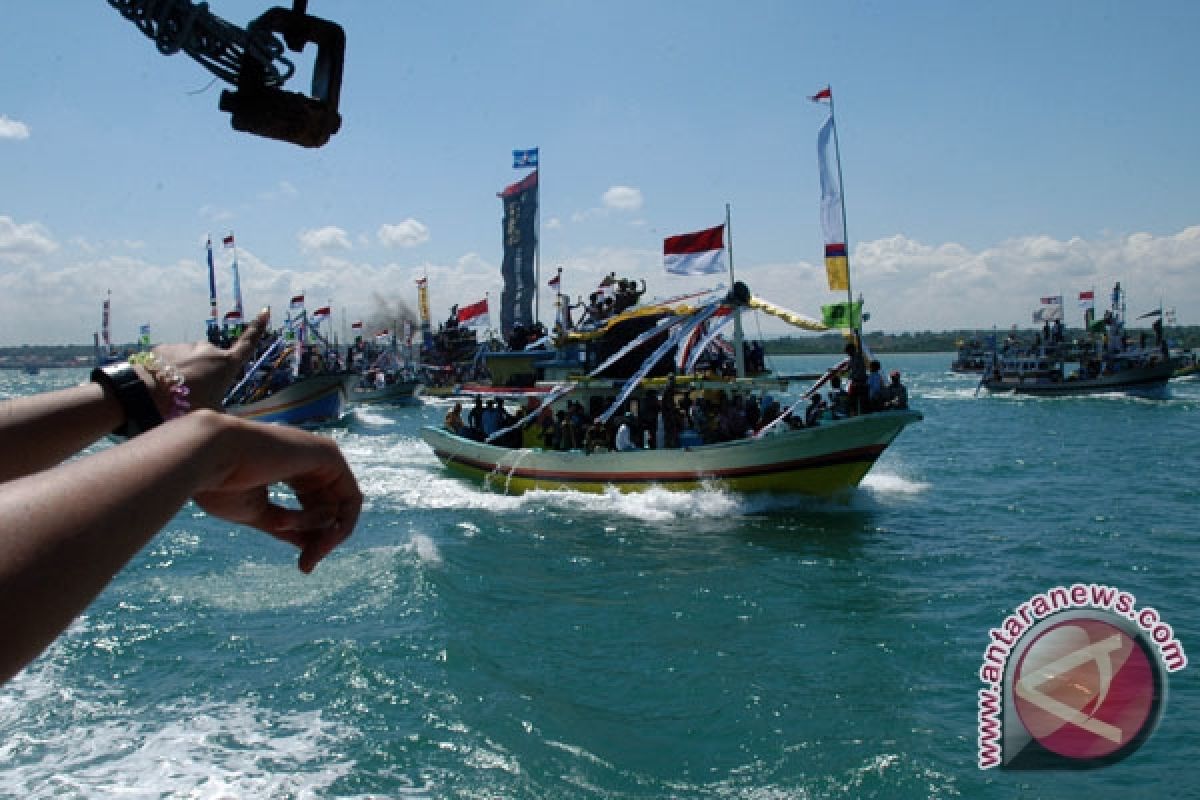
[1084, 689]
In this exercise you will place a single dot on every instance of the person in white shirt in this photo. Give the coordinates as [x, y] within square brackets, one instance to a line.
[625, 436]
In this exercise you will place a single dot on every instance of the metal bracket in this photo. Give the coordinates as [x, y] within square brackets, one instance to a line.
[307, 120]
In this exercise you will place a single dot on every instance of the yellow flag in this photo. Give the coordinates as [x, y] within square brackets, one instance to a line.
[837, 270]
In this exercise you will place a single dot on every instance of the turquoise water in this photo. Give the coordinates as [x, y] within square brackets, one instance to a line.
[561, 645]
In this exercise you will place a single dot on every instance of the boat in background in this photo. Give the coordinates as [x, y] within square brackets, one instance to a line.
[1187, 365]
[306, 402]
[296, 380]
[972, 355]
[103, 352]
[1104, 361]
[385, 377]
[396, 389]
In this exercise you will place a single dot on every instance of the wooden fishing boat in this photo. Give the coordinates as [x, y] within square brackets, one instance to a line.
[820, 461]
[308, 401]
[1104, 361]
[624, 354]
[1054, 377]
[397, 391]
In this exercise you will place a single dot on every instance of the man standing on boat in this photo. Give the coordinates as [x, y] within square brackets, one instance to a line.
[857, 393]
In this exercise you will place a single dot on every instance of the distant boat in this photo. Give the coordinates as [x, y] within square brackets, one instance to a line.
[1103, 362]
[971, 356]
[1056, 374]
[399, 391]
[305, 390]
[103, 352]
[1187, 365]
[31, 369]
[309, 401]
[386, 380]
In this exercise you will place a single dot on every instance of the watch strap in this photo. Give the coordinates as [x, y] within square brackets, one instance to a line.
[141, 414]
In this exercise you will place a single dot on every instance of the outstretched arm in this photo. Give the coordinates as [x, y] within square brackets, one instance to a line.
[64, 533]
[39, 431]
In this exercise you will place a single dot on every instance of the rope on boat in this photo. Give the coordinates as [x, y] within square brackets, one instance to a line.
[250, 372]
[829, 373]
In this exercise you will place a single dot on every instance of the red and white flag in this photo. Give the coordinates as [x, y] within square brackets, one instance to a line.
[699, 253]
[228, 240]
[555, 282]
[474, 314]
[1087, 299]
[233, 317]
[356, 325]
[297, 302]
[320, 315]
[824, 94]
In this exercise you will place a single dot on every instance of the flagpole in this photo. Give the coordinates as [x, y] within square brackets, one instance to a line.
[212, 288]
[237, 283]
[837, 154]
[739, 350]
[537, 247]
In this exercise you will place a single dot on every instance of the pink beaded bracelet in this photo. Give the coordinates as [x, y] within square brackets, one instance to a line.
[162, 371]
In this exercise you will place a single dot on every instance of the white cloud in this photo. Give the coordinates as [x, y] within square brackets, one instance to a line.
[617, 199]
[13, 129]
[330, 237]
[21, 242]
[623, 198]
[408, 233]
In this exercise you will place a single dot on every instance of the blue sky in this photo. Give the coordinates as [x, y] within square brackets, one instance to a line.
[992, 154]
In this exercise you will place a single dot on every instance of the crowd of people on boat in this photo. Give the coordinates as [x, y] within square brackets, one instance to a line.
[678, 417]
[614, 296]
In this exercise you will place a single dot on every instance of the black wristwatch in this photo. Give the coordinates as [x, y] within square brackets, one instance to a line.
[126, 385]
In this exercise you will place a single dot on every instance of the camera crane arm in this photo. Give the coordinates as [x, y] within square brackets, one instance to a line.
[252, 59]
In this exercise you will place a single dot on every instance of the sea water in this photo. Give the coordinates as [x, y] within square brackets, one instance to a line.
[704, 644]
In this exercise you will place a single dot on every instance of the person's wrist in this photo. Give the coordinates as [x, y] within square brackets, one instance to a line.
[128, 387]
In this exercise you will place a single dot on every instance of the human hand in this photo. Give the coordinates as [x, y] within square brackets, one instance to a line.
[252, 456]
[208, 371]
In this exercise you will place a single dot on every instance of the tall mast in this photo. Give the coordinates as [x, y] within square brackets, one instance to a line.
[739, 349]
[214, 320]
[837, 152]
[537, 246]
[237, 283]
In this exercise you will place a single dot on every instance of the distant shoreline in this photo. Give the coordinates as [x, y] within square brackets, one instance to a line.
[69, 356]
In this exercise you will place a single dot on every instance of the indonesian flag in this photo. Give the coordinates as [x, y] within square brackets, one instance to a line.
[297, 302]
[320, 315]
[356, 325]
[233, 317]
[555, 282]
[228, 240]
[699, 253]
[1055, 300]
[383, 337]
[824, 94]
[1087, 299]
[475, 312]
